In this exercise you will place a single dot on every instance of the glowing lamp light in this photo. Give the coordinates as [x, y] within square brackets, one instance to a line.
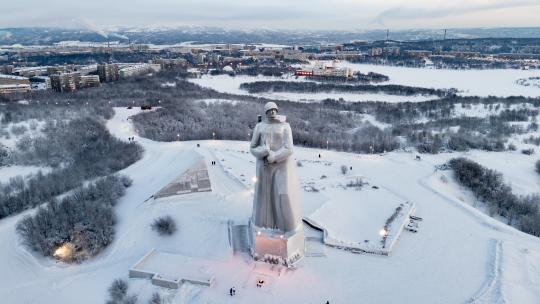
[254, 179]
[63, 251]
[258, 233]
[281, 236]
[383, 232]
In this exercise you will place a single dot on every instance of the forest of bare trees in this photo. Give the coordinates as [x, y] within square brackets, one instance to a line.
[82, 220]
[77, 150]
[489, 187]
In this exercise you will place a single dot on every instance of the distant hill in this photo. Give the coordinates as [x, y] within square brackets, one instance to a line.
[48, 36]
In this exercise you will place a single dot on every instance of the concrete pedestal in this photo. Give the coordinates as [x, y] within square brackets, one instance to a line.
[276, 247]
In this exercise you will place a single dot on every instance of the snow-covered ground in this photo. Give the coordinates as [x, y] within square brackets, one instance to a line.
[459, 254]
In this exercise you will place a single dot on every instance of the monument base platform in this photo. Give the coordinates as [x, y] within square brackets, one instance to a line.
[276, 247]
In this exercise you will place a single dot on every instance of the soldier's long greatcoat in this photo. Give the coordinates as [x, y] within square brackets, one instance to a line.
[276, 203]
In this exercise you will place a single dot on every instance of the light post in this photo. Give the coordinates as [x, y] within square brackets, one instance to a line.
[213, 135]
[178, 137]
[327, 145]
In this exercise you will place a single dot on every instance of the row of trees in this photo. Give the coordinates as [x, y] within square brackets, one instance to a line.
[370, 77]
[488, 186]
[314, 87]
[83, 221]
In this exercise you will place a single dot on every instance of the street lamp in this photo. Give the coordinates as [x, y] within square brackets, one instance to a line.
[213, 135]
[327, 145]
[178, 137]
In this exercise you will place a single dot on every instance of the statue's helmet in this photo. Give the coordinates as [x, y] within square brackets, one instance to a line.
[269, 106]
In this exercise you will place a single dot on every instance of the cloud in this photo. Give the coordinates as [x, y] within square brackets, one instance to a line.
[91, 26]
[101, 15]
[409, 13]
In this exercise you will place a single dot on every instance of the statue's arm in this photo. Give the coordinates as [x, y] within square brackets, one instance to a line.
[257, 149]
[286, 150]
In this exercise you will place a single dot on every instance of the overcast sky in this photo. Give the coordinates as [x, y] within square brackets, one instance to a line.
[278, 14]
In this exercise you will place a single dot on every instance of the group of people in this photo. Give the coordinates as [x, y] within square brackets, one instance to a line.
[131, 138]
[232, 291]
[213, 162]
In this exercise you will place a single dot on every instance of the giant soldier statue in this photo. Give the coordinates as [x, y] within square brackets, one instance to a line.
[276, 227]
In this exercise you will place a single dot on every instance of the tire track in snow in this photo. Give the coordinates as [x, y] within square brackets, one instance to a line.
[491, 292]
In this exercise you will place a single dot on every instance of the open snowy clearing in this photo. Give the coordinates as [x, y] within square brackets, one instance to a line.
[458, 255]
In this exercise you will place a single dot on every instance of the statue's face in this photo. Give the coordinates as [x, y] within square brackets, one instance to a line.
[271, 113]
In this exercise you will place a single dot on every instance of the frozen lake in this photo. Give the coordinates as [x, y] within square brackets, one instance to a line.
[228, 84]
[500, 82]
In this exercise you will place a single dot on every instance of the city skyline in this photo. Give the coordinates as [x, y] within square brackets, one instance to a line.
[302, 14]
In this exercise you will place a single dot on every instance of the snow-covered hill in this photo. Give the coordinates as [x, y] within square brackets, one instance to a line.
[458, 255]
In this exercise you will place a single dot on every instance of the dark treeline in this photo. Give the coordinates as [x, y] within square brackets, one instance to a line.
[255, 70]
[313, 87]
[82, 221]
[78, 150]
[370, 77]
[46, 108]
[406, 112]
[489, 187]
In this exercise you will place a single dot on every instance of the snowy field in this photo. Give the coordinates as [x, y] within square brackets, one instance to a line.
[459, 255]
